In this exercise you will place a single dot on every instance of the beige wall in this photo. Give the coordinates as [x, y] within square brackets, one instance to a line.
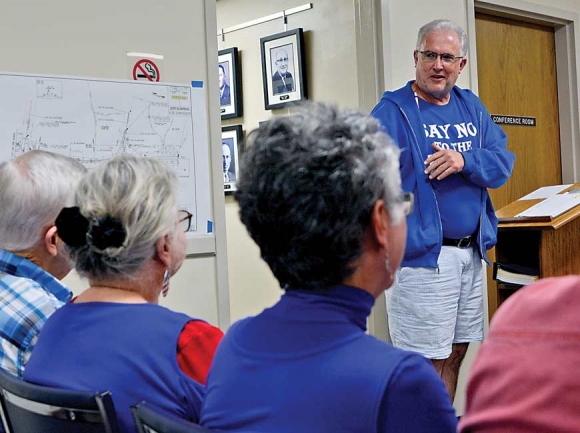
[329, 33]
[403, 18]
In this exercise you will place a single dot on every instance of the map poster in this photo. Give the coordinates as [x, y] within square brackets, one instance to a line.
[93, 120]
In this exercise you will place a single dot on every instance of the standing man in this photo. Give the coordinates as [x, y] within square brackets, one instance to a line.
[282, 81]
[225, 98]
[451, 151]
[35, 187]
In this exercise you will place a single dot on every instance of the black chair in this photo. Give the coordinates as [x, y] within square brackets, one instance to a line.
[30, 408]
[150, 420]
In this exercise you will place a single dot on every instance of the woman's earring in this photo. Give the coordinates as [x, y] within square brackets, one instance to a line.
[165, 286]
[388, 266]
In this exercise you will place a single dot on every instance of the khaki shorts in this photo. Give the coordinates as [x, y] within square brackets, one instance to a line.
[429, 309]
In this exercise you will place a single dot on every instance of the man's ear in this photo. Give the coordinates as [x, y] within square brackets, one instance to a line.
[416, 57]
[162, 247]
[462, 64]
[380, 222]
[51, 241]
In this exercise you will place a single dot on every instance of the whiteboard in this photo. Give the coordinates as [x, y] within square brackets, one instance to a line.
[93, 120]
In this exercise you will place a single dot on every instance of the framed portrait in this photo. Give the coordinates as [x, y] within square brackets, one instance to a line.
[283, 68]
[231, 142]
[230, 83]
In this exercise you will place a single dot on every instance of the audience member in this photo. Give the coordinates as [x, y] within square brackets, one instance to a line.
[35, 187]
[524, 378]
[321, 196]
[127, 236]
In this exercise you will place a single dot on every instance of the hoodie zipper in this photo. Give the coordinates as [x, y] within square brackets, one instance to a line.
[482, 196]
[434, 196]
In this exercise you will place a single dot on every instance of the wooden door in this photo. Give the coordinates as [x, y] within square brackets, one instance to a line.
[516, 66]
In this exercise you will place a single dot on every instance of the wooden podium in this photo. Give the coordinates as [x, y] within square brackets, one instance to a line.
[552, 247]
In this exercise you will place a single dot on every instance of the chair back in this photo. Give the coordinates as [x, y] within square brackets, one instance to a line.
[150, 420]
[30, 408]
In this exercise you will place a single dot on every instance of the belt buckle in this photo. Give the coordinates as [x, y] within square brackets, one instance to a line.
[464, 242]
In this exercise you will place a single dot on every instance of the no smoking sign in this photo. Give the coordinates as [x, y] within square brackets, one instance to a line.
[145, 70]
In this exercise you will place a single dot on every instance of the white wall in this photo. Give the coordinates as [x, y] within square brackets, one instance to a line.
[79, 38]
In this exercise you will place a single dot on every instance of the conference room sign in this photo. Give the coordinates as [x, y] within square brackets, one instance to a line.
[502, 119]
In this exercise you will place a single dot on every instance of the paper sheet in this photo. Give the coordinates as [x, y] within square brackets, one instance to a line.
[545, 192]
[552, 206]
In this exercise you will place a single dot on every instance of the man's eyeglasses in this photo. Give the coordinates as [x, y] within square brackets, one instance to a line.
[282, 59]
[431, 56]
[408, 202]
[185, 219]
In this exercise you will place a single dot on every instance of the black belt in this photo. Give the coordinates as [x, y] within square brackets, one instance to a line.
[459, 243]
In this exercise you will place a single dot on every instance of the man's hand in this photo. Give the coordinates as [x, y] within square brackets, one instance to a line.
[443, 163]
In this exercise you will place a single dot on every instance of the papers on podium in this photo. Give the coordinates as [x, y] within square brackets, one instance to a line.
[546, 191]
[543, 205]
[551, 207]
[514, 274]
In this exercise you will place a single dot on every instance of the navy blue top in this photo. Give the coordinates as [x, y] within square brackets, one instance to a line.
[307, 365]
[128, 349]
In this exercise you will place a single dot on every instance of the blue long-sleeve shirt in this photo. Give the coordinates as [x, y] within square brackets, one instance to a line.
[307, 365]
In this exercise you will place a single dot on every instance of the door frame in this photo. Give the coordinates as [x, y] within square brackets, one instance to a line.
[566, 26]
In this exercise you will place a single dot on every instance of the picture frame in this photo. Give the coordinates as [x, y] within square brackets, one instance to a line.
[283, 67]
[230, 83]
[231, 144]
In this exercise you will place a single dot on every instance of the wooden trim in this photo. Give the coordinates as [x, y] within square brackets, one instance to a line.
[566, 24]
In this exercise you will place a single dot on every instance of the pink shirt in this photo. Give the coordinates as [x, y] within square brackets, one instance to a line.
[526, 377]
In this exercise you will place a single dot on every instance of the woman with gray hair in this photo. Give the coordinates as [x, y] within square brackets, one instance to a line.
[127, 237]
[320, 193]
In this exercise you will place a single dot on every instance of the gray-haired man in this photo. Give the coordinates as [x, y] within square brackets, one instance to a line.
[35, 187]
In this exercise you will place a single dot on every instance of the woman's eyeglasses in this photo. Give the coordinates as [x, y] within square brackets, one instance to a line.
[185, 219]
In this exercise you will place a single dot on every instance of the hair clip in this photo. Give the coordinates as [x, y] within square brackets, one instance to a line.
[107, 232]
[72, 226]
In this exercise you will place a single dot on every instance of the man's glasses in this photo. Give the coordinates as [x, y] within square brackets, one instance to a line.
[282, 59]
[185, 219]
[408, 202]
[431, 57]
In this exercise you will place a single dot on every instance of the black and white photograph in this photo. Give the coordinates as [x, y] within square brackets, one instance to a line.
[230, 79]
[231, 142]
[283, 68]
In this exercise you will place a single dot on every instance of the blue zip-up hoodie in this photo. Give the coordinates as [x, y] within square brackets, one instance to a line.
[488, 164]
